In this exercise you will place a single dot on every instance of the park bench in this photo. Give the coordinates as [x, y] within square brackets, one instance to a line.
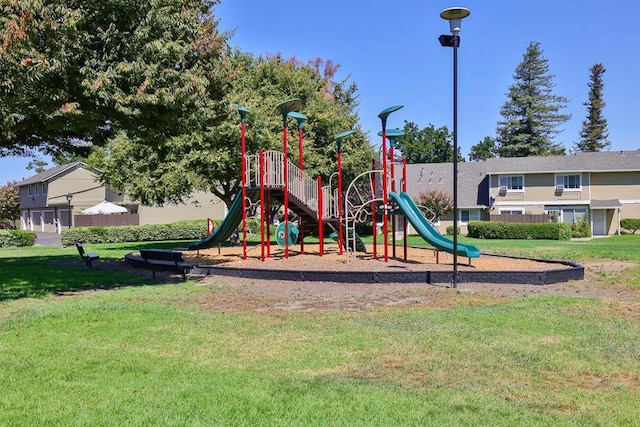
[166, 259]
[87, 257]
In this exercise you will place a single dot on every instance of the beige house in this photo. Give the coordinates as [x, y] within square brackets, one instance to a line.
[50, 200]
[601, 187]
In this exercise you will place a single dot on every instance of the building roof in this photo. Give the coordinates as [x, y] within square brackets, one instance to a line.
[52, 173]
[603, 161]
[473, 182]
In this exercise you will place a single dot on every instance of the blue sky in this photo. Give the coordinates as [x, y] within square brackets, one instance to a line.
[390, 50]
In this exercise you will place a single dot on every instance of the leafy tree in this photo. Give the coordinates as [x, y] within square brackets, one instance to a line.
[483, 150]
[531, 114]
[37, 165]
[209, 159]
[9, 203]
[427, 145]
[75, 73]
[593, 136]
[437, 201]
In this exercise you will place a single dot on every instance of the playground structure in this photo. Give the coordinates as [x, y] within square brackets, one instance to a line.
[314, 205]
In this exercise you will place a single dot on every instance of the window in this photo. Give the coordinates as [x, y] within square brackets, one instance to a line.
[568, 182]
[573, 215]
[512, 182]
[467, 215]
[44, 189]
[36, 188]
[511, 212]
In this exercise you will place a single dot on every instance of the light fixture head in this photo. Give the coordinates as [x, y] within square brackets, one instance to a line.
[455, 15]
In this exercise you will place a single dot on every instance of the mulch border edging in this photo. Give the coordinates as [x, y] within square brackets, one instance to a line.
[569, 271]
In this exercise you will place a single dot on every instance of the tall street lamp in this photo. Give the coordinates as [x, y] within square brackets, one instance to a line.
[339, 139]
[454, 15]
[69, 198]
[384, 114]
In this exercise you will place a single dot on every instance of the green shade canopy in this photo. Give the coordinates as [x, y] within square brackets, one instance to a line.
[301, 118]
[392, 133]
[289, 105]
[243, 113]
[385, 113]
[345, 134]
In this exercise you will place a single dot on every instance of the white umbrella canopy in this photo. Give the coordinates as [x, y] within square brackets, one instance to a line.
[105, 208]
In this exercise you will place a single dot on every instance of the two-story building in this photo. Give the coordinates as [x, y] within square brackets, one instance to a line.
[50, 200]
[600, 187]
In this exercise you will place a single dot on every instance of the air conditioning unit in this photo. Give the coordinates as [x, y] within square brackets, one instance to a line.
[502, 189]
[559, 188]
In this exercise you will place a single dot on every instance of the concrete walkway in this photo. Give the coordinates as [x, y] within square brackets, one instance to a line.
[48, 239]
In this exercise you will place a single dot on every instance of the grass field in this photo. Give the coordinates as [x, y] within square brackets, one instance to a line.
[129, 351]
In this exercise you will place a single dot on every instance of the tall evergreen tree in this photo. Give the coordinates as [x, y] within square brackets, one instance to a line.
[531, 114]
[593, 136]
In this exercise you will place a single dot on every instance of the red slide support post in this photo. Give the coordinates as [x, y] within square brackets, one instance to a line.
[262, 205]
[243, 167]
[384, 114]
[285, 108]
[320, 219]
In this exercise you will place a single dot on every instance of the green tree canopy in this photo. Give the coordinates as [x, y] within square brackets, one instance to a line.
[209, 159]
[427, 145]
[531, 115]
[9, 203]
[483, 150]
[75, 73]
[593, 136]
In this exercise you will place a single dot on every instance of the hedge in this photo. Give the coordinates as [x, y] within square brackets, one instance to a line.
[184, 230]
[520, 231]
[16, 238]
[630, 225]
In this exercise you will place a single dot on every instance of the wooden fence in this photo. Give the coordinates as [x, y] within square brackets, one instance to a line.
[106, 220]
[525, 218]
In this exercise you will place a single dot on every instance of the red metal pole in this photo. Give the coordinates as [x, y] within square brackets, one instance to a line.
[340, 212]
[243, 169]
[385, 223]
[404, 190]
[320, 222]
[393, 188]
[285, 168]
[300, 220]
[373, 212]
[262, 216]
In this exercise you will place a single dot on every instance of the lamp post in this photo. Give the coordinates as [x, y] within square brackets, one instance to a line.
[339, 139]
[284, 108]
[243, 167]
[392, 136]
[384, 114]
[69, 198]
[454, 15]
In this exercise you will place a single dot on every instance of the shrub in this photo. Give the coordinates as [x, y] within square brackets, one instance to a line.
[184, 230]
[513, 230]
[17, 238]
[630, 225]
[581, 229]
[449, 230]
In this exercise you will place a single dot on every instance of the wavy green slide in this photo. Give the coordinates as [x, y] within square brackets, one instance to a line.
[226, 228]
[426, 230]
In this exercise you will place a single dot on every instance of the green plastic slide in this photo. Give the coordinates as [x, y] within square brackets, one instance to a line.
[225, 229]
[426, 230]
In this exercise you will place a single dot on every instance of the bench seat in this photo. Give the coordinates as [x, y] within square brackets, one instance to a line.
[166, 259]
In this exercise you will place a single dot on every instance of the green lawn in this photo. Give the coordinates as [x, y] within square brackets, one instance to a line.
[148, 353]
